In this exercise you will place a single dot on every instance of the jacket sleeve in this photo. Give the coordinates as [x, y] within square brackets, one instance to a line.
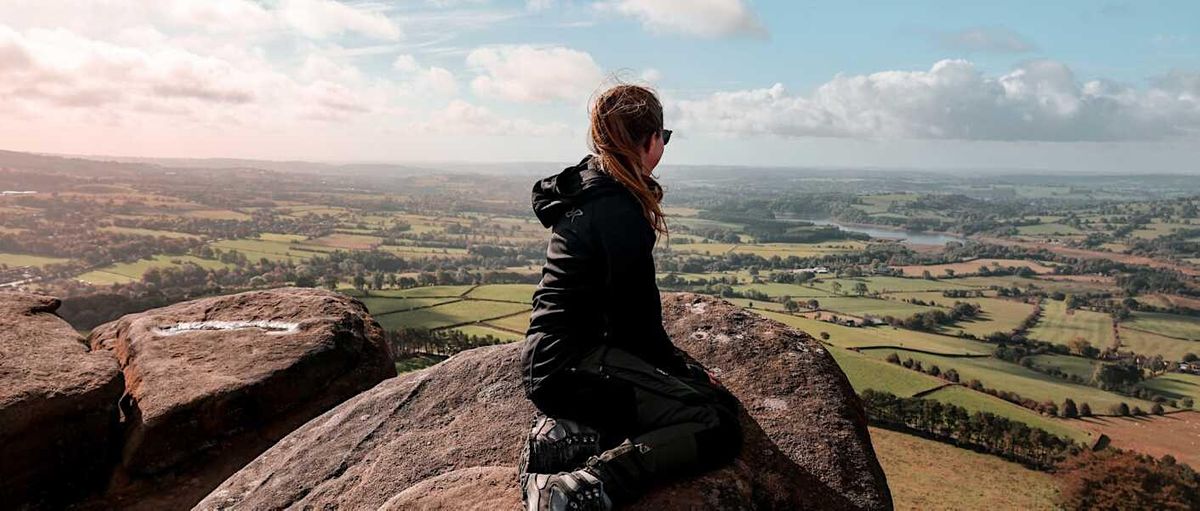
[626, 242]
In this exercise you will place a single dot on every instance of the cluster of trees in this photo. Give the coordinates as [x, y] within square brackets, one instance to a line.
[980, 430]
[1113, 479]
[408, 341]
[950, 375]
[933, 320]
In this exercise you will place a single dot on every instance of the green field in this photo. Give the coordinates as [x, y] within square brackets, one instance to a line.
[1078, 366]
[867, 373]
[1176, 386]
[858, 337]
[1048, 230]
[271, 249]
[465, 311]
[768, 250]
[147, 232]
[1060, 327]
[132, 272]
[999, 315]
[518, 293]
[1146, 343]
[1001, 375]
[1170, 325]
[515, 323]
[778, 290]
[979, 402]
[860, 306]
[925, 474]
[421, 292]
[380, 305]
[889, 284]
[20, 260]
[481, 331]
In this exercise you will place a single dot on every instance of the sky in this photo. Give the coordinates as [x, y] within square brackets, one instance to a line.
[939, 85]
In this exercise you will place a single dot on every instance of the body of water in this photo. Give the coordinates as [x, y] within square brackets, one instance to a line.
[916, 237]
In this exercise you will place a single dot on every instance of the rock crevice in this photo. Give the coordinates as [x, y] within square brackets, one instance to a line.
[448, 437]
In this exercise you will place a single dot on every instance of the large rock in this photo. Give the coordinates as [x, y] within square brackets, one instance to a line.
[448, 437]
[211, 383]
[58, 406]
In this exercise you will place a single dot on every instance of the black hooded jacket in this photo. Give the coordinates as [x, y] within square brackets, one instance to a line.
[598, 283]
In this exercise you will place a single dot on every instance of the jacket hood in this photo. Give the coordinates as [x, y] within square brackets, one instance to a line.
[553, 196]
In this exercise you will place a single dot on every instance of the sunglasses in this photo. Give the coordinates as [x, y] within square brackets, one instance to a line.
[666, 136]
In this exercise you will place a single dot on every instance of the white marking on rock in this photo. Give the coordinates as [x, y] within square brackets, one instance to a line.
[775, 403]
[272, 327]
[699, 335]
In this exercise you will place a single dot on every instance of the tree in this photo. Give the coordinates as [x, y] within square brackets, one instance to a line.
[330, 281]
[1081, 347]
[836, 287]
[1069, 410]
[934, 370]
[1121, 409]
[860, 288]
[1116, 479]
[824, 336]
[790, 305]
[360, 282]
[893, 358]
[1085, 410]
[1186, 402]
[377, 280]
[1157, 409]
[813, 304]
[926, 275]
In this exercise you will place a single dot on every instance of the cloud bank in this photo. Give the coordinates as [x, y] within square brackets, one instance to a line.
[1037, 101]
[700, 18]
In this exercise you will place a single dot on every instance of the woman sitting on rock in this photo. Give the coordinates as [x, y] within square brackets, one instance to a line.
[625, 409]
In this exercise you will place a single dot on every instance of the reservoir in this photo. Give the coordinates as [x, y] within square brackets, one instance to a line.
[915, 237]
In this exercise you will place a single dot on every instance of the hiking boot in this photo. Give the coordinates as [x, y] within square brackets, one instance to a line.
[580, 490]
[556, 445]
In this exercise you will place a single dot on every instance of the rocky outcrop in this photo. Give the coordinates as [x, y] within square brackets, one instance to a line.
[448, 437]
[58, 406]
[211, 383]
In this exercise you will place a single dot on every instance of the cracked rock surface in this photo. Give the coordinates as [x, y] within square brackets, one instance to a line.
[58, 404]
[448, 437]
[211, 383]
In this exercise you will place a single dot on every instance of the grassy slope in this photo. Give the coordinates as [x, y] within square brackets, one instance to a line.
[980, 402]
[851, 337]
[998, 374]
[924, 474]
[1059, 327]
[867, 373]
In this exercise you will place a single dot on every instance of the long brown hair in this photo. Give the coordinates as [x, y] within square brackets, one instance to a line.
[623, 118]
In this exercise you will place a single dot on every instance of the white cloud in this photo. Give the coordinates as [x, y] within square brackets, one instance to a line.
[461, 117]
[539, 5]
[436, 80]
[327, 18]
[405, 63]
[532, 74]
[985, 39]
[1038, 101]
[701, 18]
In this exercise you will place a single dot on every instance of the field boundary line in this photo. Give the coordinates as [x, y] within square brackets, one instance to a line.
[918, 350]
[1156, 333]
[927, 392]
[420, 307]
[477, 321]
